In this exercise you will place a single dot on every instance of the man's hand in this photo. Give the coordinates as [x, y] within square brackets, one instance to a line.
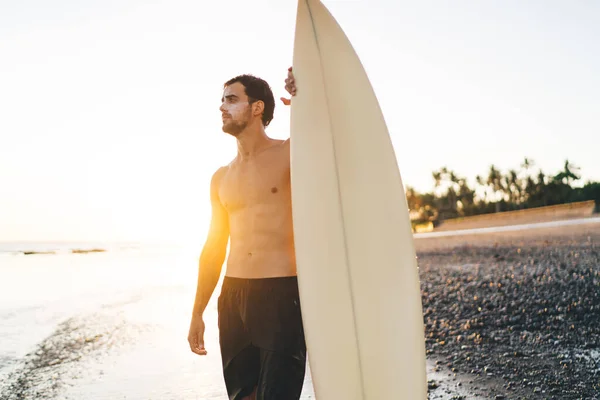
[290, 86]
[196, 336]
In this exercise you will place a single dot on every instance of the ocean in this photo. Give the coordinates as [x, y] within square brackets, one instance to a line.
[104, 324]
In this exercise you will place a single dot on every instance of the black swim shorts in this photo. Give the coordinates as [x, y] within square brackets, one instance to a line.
[262, 338]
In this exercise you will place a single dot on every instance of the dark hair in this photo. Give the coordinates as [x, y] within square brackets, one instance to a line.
[257, 89]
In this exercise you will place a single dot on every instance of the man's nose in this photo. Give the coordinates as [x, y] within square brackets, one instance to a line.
[222, 108]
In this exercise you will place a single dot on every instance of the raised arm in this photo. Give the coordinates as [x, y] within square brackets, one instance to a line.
[210, 265]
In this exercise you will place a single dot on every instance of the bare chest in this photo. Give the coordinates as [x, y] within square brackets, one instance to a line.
[263, 180]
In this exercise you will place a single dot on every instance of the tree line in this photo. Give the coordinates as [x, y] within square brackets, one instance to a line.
[516, 189]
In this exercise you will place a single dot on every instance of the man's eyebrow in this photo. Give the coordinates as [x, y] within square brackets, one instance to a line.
[229, 97]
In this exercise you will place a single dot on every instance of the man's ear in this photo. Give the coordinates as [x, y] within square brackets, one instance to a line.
[258, 107]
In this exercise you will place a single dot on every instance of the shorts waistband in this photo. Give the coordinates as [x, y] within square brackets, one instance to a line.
[260, 283]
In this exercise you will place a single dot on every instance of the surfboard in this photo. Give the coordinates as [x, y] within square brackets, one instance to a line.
[357, 270]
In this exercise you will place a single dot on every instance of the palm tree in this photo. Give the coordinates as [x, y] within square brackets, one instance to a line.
[466, 196]
[541, 179]
[527, 164]
[568, 174]
[437, 177]
[447, 185]
[494, 180]
[481, 182]
[537, 190]
[528, 189]
[514, 186]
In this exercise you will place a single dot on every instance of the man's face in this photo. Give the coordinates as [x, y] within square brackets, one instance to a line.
[235, 109]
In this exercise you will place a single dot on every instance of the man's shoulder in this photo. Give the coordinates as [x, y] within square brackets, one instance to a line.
[279, 146]
[219, 173]
[284, 144]
[279, 142]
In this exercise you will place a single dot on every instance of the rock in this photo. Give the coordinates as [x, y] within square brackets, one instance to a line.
[432, 385]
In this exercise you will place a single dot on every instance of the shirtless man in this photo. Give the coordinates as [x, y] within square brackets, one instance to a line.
[260, 326]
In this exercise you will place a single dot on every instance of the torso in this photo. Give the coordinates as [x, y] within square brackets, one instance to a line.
[256, 193]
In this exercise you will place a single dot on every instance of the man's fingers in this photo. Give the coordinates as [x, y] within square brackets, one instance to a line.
[201, 351]
[200, 338]
[198, 349]
[197, 344]
[290, 86]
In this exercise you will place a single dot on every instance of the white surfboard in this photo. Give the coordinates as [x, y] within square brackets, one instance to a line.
[357, 269]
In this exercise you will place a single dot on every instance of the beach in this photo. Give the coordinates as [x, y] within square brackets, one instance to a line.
[512, 315]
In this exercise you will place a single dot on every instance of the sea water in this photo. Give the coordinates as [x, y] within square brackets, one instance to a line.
[104, 325]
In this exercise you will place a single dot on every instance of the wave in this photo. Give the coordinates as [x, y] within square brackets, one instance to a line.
[37, 249]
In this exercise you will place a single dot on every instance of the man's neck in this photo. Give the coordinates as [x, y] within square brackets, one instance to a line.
[251, 141]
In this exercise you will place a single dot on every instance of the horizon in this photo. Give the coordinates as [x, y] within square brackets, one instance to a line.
[111, 130]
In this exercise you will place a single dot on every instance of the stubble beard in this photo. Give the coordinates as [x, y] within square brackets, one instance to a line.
[234, 128]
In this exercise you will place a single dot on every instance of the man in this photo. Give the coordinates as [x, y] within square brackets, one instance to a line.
[260, 326]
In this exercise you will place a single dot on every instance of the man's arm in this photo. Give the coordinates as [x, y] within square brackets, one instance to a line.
[215, 248]
[211, 263]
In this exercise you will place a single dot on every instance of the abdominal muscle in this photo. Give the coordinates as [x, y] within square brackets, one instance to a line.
[261, 242]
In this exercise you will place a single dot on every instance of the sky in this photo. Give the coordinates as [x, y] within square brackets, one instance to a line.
[109, 119]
